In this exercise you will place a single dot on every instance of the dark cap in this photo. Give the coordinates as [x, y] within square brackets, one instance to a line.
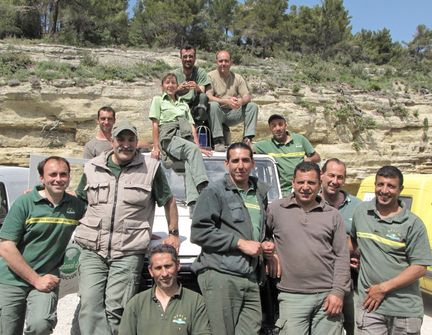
[275, 117]
[123, 125]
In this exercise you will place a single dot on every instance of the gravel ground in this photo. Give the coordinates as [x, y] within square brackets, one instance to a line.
[67, 306]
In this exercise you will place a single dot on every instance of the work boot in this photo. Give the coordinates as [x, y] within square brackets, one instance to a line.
[248, 141]
[201, 186]
[219, 145]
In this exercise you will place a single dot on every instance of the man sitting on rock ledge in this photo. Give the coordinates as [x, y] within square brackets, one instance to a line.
[230, 102]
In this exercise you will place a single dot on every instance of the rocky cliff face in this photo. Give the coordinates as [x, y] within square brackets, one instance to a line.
[366, 130]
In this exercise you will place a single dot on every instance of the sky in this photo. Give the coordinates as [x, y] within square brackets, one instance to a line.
[401, 17]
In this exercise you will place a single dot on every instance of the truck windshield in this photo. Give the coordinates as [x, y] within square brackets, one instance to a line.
[264, 170]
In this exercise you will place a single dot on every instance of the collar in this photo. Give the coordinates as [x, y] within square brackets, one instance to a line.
[102, 159]
[291, 201]
[347, 198]
[177, 294]
[279, 144]
[37, 198]
[400, 217]
[165, 96]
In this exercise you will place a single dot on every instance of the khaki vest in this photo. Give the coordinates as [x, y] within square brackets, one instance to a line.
[120, 212]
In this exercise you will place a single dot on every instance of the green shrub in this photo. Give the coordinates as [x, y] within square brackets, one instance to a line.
[11, 62]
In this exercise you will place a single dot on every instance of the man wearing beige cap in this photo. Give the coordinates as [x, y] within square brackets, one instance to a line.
[121, 187]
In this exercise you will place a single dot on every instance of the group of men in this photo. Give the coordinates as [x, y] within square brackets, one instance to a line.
[221, 97]
[309, 241]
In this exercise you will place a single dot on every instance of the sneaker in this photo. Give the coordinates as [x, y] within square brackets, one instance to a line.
[247, 140]
[219, 147]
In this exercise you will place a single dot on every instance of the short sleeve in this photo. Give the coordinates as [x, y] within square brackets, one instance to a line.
[155, 108]
[242, 87]
[307, 146]
[418, 248]
[13, 227]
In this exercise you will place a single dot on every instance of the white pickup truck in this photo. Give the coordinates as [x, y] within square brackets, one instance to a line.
[13, 183]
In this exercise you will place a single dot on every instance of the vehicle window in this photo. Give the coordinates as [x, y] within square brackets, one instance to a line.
[3, 203]
[264, 170]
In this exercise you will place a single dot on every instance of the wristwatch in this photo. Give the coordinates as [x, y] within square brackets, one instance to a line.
[173, 232]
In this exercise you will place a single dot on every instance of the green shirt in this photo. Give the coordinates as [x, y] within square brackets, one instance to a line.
[198, 75]
[388, 246]
[346, 210]
[251, 202]
[160, 188]
[184, 314]
[165, 110]
[41, 232]
[287, 156]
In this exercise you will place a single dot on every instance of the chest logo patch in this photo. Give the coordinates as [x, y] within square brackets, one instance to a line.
[70, 211]
[394, 236]
[179, 319]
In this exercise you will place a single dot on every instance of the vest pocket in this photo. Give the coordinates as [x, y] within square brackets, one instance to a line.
[135, 235]
[136, 194]
[97, 193]
[87, 234]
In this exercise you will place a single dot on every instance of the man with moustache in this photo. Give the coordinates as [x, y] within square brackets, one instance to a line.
[33, 242]
[333, 175]
[312, 249]
[287, 148]
[395, 253]
[193, 84]
[230, 102]
[121, 188]
[167, 308]
[105, 120]
[229, 225]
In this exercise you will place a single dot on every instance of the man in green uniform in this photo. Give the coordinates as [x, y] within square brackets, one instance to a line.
[33, 242]
[193, 84]
[167, 308]
[333, 175]
[395, 253]
[287, 148]
[229, 225]
[122, 188]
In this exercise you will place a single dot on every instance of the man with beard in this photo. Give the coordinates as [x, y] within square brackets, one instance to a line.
[167, 308]
[287, 148]
[395, 253]
[333, 175]
[105, 120]
[121, 187]
[33, 242]
[193, 84]
[312, 248]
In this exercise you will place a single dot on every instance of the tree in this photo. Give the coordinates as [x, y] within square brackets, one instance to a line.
[170, 22]
[221, 15]
[334, 25]
[421, 45]
[259, 25]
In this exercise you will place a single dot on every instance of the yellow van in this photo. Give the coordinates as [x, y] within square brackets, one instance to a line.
[417, 195]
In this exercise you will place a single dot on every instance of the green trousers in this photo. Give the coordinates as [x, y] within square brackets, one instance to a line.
[37, 308]
[195, 172]
[233, 303]
[105, 287]
[303, 314]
